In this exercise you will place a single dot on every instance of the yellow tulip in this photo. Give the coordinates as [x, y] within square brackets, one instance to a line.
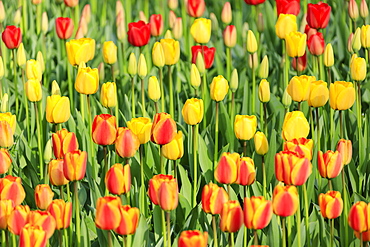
[328, 55]
[132, 65]
[33, 70]
[295, 126]
[195, 79]
[319, 94]
[87, 81]
[80, 50]
[175, 149]
[251, 42]
[365, 36]
[245, 126]
[108, 94]
[264, 91]
[285, 24]
[219, 88]
[154, 90]
[158, 55]
[109, 52]
[33, 90]
[201, 30]
[141, 127]
[342, 95]
[296, 44]
[356, 42]
[263, 71]
[57, 109]
[21, 56]
[299, 87]
[55, 89]
[358, 69]
[261, 143]
[171, 50]
[142, 69]
[10, 119]
[193, 111]
[234, 81]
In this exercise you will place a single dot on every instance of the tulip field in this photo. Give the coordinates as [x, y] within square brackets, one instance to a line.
[185, 123]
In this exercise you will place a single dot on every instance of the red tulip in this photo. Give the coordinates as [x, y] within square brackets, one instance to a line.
[209, 54]
[288, 7]
[257, 212]
[163, 129]
[127, 143]
[64, 27]
[156, 25]
[316, 44]
[254, 2]
[226, 171]
[64, 142]
[246, 171]
[329, 164]
[12, 37]
[104, 129]
[129, 220]
[318, 15]
[196, 8]
[138, 33]
[213, 198]
[302, 63]
[118, 179]
[18, 219]
[231, 217]
[285, 200]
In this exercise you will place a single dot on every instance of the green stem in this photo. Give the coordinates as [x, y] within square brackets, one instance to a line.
[245, 236]
[345, 209]
[103, 17]
[25, 101]
[110, 244]
[105, 165]
[164, 229]
[215, 154]
[228, 63]
[124, 241]
[253, 89]
[133, 103]
[60, 237]
[306, 207]
[39, 145]
[264, 176]
[317, 128]
[286, 65]
[90, 139]
[205, 102]
[70, 85]
[171, 91]
[162, 88]
[332, 128]
[3, 239]
[15, 78]
[195, 150]
[245, 148]
[289, 241]
[77, 211]
[232, 114]
[265, 119]
[14, 240]
[161, 159]
[299, 224]
[168, 228]
[38, 18]
[332, 233]
[361, 240]
[312, 129]
[341, 123]
[255, 237]
[284, 231]
[330, 184]
[143, 98]
[215, 242]
[142, 187]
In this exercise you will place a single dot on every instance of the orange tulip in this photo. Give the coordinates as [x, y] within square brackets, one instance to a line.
[11, 188]
[329, 164]
[292, 168]
[285, 200]
[344, 147]
[246, 171]
[163, 191]
[163, 129]
[6, 134]
[331, 204]
[64, 142]
[129, 220]
[74, 165]
[6, 207]
[365, 236]
[43, 219]
[5, 160]
[43, 196]
[226, 171]
[104, 129]
[108, 216]
[192, 238]
[358, 218]
[56, 172]
[213, 198]
[301, 146]
[33, 236]
[257, 212]
[62, 213]
[118, 179]
[18, 219]
[127, 143]
[231, 217]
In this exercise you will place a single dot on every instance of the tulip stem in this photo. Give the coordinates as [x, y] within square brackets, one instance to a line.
[215, 242]
[70, 86]
[61, 192]
[286, 65]
[14, 240]
[168, 214]
[215, 154]
[142, 187]
[110, 244]
[345, 210]
[245, 236]
[15, 81]
[306, 207]
[253, 88]
[284, 230]
[331, 232]
[298, 218]
[171, 91]
[60, 237]
[232, 114]
[90, 139]
[265, 119]
[26, 105]
[143, 98]
[245, 148]
[231, 236]
[195, 150]
[204, 89]
[164, 229]
[77, 211]
[133, 97]
[162, 89]
[4, 243]
[330, 184]
[41, 163]
[361, 240]
[317, 128]
[105, 165]
[255, 235]
[264, 176]
[228, 63]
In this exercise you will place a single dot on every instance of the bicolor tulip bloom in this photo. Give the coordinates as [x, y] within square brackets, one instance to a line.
[257, 212]
[43, 196]
[43, 219]
[108, 216]
[213, 198]
[195, 8]
[56, 172]
[6, 208]
[74, 165]
[33, 235]
[126, 143]
[11, 189]
[129, 220]
[163, 129]
[62, 213]
[285, 200]
[5, 160]
[118, 179]
[193, 238]
[226, 171]
[64, 142]
[104, 129]
[329, 164]
[331, 204]
[18, 219]
[231, 217]
[344, 147]
[301, 146]
[358, 218]
[246, 171]
[163, 191]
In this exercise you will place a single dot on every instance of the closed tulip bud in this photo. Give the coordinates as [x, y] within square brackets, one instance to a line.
[55, 90]
[285, 200]
[4, 103]
[2, 12]
[33, 70]
[129, 220]
[74, 165]
[121, 28]
[5, 160]
[365, 36]
[163, 191]
[349, 43]
[56, 172]
[234, 81]
[40, 60]
[193, 111]
[301, 146]
[6, 208]
[292, 168]
[264, 91]
[253, 61]
[157, 55]
[1, 67]
[171, 50]
[132, 64]
[108, 216]
[175, 149]
[168, 35]
[195, 8]
[64, 27]
[141, 127]
[358, 69]
[11, 189]
[62, 213]
[118, 179]
[86, 13]
[21, 56]
[17, 17]
[213, 198]
[44, 23]
[143, 18]
[177, 28]
[43, 219]
[48, 151]
[127, 143]
[109, 52]
[295, 126]
[299, 87]
[251, 42]
[341, 95]
[329, 164]
[296, 44]
[201, 30]
[331, 204]
[229, 36]
[87, 80]
[57, 109]
[245, 126]
[12, 36]
[33, 90]
[226, 13]
[353, 10]
[71, 3]
[172, 4]
[214, 21]
[172, 18]
[33, 235]
[226, 171]
[195, 78]
[156, 25]
[142, 69]
[163, 129]
[119, 8]
[285, 24]
[319, 94]
[18, 219]
[264, 68]
[219, 88]
[261, 143]
[231, 217]
[193, 238]
[246, 171]
[316, 44]
[104, 129]
[108, 94]
[80, 50]
[358, 216]
[302, 63]
[356, 42]
[344, 147]
[257, 212]
[364, 9]
[64, 142]
[43, 196]
[200, 63]
[328, 56]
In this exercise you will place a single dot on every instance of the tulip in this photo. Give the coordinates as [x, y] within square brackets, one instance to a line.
[21, 56]
[10, 119]
[138, 33]
[5, 160]
[127, 143]
[171, 50]
[86, 13]
[331, 204]
[71, 3]
[193, 238]
[44, 23]
[285, 24]
[353, 11]
[295, 126]
[234, 81]
[263, 71]
[17, 17]
[209, 55]
[163, 191]
[142, 69]
[64, 27]
[108, 216]
[18, 219]
[193, 111]
[33, 90]
[365, 36]
[226, 171]
[245, 126]
[285, 200]
[364, 9]
[246, 171]
[229, 36]
[318, 15]
[6, 208]
[132, 65]
[172, 19]
[288, 7]
[301, 146]
[219, 88]
[200, 63]
[358, 69]
[213, 198]
[33, 70]
[154, 90]
[302, 63]
[156, 25]
[87, 81]
[350, 42]
[177, 28]
[57, 109]
[104, 129]
[109, 52]
[264, 91]
[129, 220]
[108, 94]
[62, 213]
[261, 144]
[40, 60]
[118, 179]
[358, 216]
[319, 94]
[214, 21]
[33, 235]
[63, 142]
[12, 37]
[257, 212]
[158, 55]
[252, 45]
[328, 55]
[365, 235]
[163, 129]
[292, 168]
[254, 2]
[329, 164]
[141, 127]
[226, 13]
[43, 219]
[121, 29]
[341, 95]
[195, 79]
[80, 50]
[43, 196]
[344, 147]
[316, 44]
[74, 165]
[296, 44]
[56, 172]
[2, 12]
[201, 30]
[55, 89]
[195, 8]
[11, 189]
[175, 149]
[231, 217]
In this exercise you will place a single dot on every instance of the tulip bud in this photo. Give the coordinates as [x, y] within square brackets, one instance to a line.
[2, 12]
[261, 143]
[260, 23]
[195, 79]
[129, 220]
[108, 94]
[57, 109]
[226, 171]
[163, 191]
[33, 70]
[1, 67]
[104, 129]
[4, 103]
[142, 70]
[21, 56]
[200, 63]
[119, 8]
[257, 212]
[17, 17]
[154, 91]
[214, 21]
[141, 127]
[251, 42]
[44, 23]
[108, 216]
[264, 68]
[56, 172]
[43, 196]
[246, 171]
[329, 164]
[365, 36]
[121, 29]
[5, 161]
[193, 238]
[175, 149]
[226, 13]
[231, 217]
[142, 17]
[109, 52]
[353, 10]
[253, 61]
[245, 126]
[234, 81]
[349, 43]
[229, 36]
[356, 43]
[213, 198]
[55, 90]
[358, 69]
[285, 200]
[219, 88]
[264, 91]
[177, 28]
[328, 55]
[341, 95]
[87, 80]
[41, 61]
[118, 179]
[364, 10]
[168, 34]
[33, 90]
[172, 4]
[201, 30]
[172, 19]
[48, 151]
[74, 165]
[163, 129]
[296, 44]
[344, 147]
[132, 64]
[86, 13]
